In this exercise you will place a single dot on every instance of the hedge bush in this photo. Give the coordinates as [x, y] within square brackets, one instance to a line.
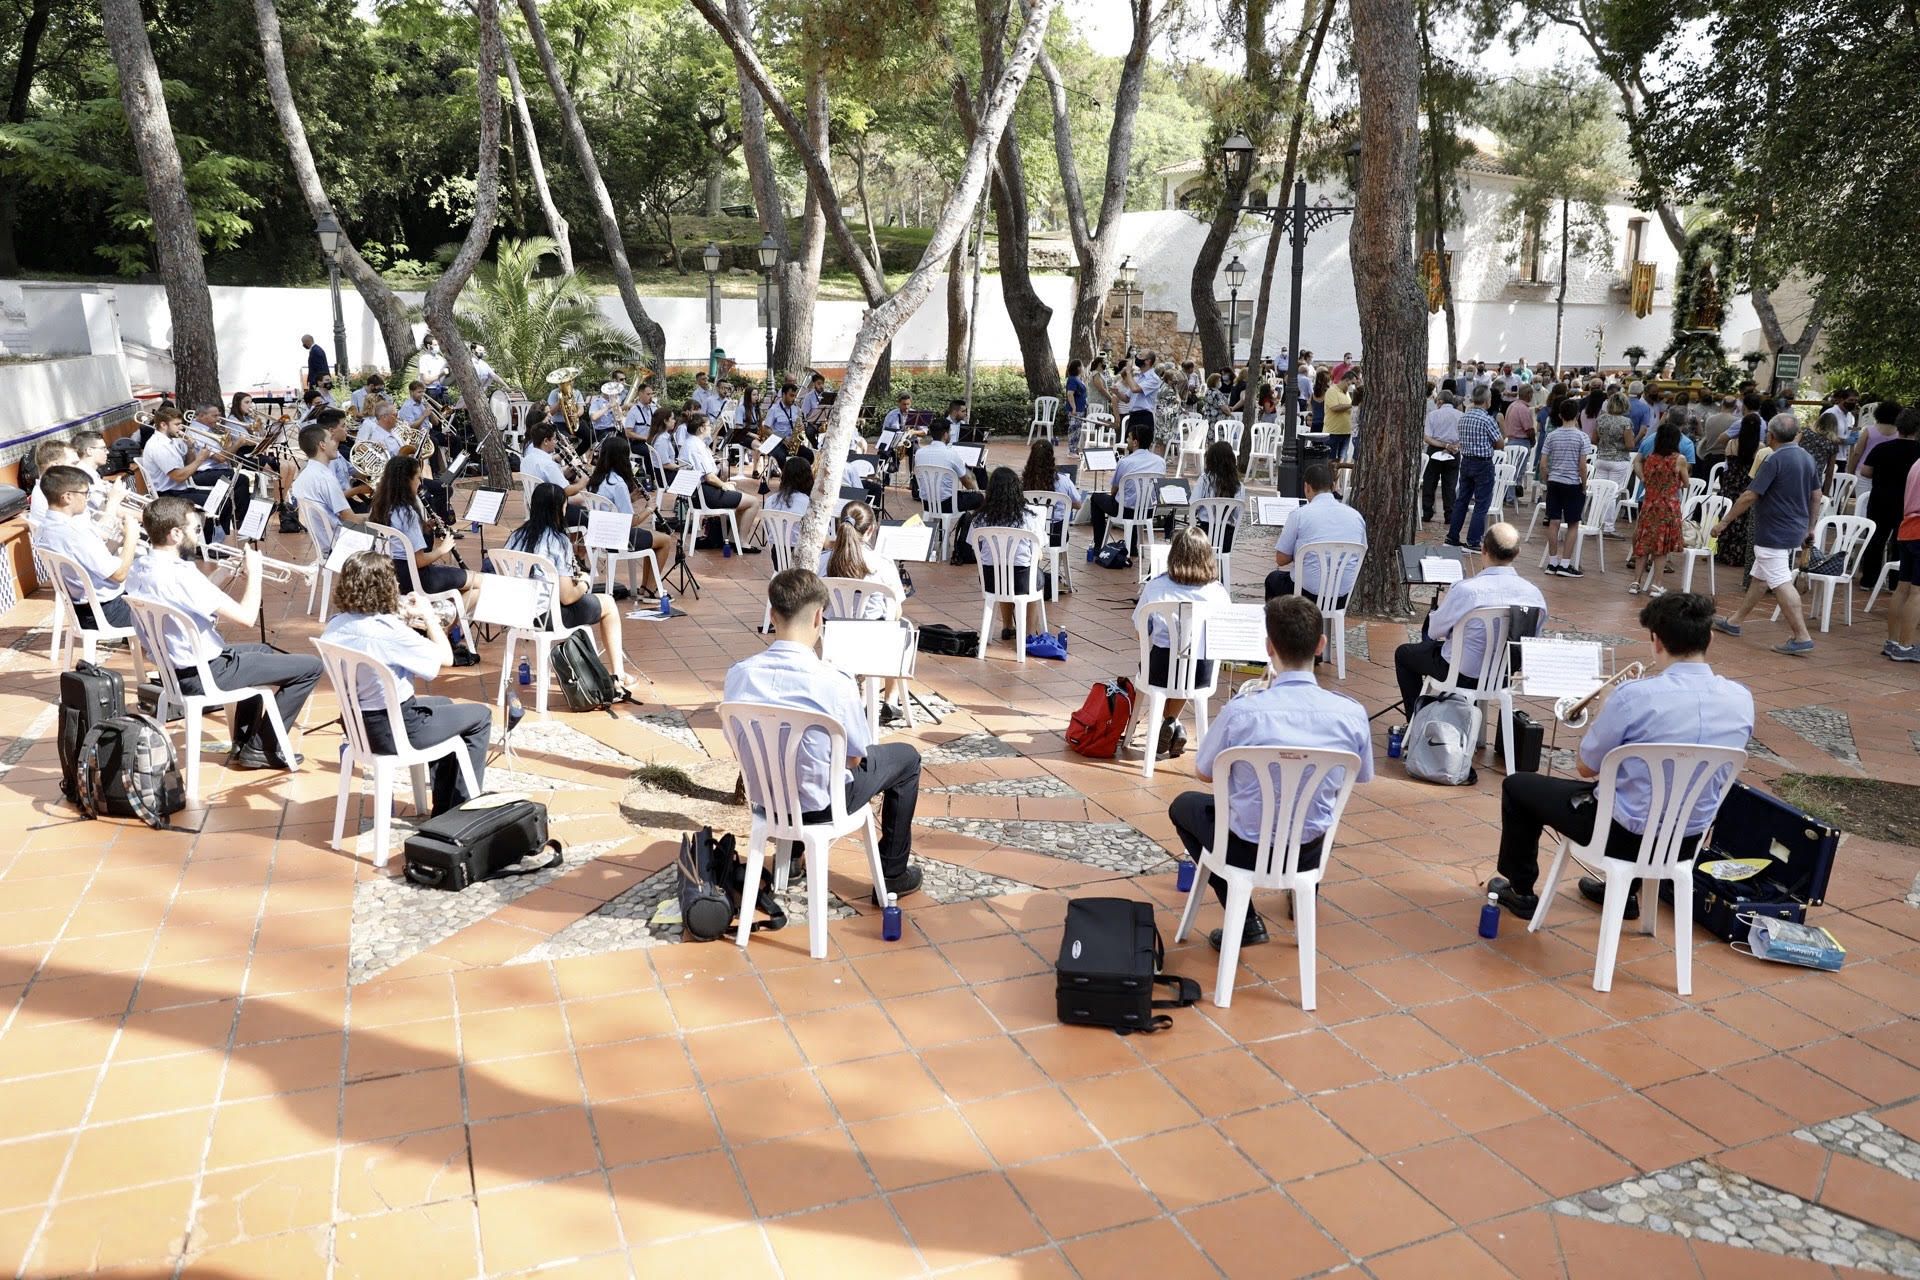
[1000, 400]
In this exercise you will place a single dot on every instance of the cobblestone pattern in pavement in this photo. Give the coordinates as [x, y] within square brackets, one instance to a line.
[1111, 846]
[970, 746]
[946, 882]
[1865, 1138]
[671, 725]
[1827, 728]
[551, 737]
[1699, 1201]
[1042, 785]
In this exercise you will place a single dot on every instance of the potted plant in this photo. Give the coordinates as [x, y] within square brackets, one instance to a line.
[1634, 355]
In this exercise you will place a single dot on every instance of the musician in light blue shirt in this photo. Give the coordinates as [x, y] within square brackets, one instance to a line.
[1293, 711]
[1684, 703]
[1499, 584]
[1321, 518]
[1138, 460]
[789, 673]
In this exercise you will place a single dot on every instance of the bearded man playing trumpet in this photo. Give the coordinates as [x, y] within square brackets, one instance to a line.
[1684, 702]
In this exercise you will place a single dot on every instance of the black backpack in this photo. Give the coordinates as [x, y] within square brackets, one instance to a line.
[127, 769]
[1109, 966]
[584, 679]
[955, 642]
[962, 549]
[713, 880]
[89, 695]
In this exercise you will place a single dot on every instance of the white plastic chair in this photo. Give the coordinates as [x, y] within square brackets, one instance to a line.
[701, 515]
[401, 551]
[343, 667]
[1232, 430]
[65, 573]
[1494, 675]
[1680, 775]
[1839, 492]
[1098, 431]
[1192, 438]
[605, 560]
[1337, 559]
[863, 598]
[526, 565]
[1045, 410]
[319, 524]
[939, 502]
[1266, 450]
[998, 548]
[1219, 517]
[767, 741]
[1139, 495]
[1710, 512]
[1847, 536]
[152, 619]
[1714, 473]
[1060, 512]
[781, 530]
[1289, 779]
[1503, 477]
[1889, 570]
[1602, 496]
[1183, 658]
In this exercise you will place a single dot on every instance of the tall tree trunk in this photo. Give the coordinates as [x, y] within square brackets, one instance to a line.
[653, 339]
[716, 185]
[513, 175]
[800, 276]
[389, 312]
[887, 313]
[24, 70]
[1393, 314]
[486, 208]
[1560, 298]
[959, 313]
[1284, 198]
[176, 236]
[1094, 246]
[866, 206]
[536, 166]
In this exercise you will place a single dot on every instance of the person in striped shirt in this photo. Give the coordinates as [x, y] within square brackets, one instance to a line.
[1566, 460]
[1480, 439]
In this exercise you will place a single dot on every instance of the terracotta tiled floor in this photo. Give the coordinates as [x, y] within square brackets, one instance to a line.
[193, 1085]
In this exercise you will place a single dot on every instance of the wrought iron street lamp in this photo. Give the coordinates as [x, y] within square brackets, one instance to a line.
[1236, 276]
[1126, 275]
[769, 254]
[710, 259]
[330, 242]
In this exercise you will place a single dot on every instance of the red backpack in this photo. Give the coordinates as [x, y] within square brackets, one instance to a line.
[1096, 728]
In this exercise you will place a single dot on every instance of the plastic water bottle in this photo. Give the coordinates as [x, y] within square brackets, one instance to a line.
[1063, 639]
[726, 551]
[1185, 880]
[526, 672]
[1395, 737]
[473, 526]
[1490, 917]
[666, 605]
[1090, 552]
[890, 919]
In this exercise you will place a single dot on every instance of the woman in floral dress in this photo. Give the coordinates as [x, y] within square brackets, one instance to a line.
[1658, 534]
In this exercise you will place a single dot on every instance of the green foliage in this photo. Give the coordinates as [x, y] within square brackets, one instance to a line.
[1710, 260]
[1560, 136]
[1001, 401]
[532, 324]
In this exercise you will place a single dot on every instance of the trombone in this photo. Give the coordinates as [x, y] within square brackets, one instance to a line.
[1572, 711]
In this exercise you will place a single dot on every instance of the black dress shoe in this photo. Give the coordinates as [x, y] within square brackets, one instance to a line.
[1595, 891]
[1520, 904]
[900, 886]
[1006, 633]
[1252, 935]
[465, 657]
[250, 758]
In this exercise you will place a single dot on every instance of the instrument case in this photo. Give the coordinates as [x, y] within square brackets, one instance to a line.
[1752, 824]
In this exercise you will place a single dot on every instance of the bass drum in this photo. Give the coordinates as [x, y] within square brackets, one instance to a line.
[502, 410]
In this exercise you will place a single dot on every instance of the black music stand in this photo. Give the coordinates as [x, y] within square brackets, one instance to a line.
[687, 581]
[1413, 574]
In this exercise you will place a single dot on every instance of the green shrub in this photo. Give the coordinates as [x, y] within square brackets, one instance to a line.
[1000, 400]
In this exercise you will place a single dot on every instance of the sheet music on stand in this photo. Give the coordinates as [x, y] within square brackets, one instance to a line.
[1173, 493]
[969, 453]
[910, 541]
[1275, 510]
[764, 446]
[1439, 569]
[608, 530]
[1157, 558]
[347, 543]
[254, 527]
[508, 602]
[1234, 633]
[216, 497]
[484, 506]
[685, 481]
[1557, 669]
[1099, 459]
[864, 647]
[886, 440]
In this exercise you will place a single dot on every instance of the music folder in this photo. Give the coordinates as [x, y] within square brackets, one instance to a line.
[912, 541]
[864, 647]
[508, 602]
[1173, 493]
[484, 506]
[768, 445]
[969, 453]
[254, 527]
[608, 530]
[685, 481]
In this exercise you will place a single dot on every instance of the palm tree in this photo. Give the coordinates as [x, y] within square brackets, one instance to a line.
[531, 324]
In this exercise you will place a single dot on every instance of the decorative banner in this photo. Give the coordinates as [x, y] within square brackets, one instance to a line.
[1430, 268]
[1642, 294]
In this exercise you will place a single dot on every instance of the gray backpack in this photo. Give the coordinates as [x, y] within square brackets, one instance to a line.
[1441, 739]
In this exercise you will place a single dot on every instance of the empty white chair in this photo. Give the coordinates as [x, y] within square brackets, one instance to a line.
[1503, 474]
[343, 667]
[1220, 517]
[1889, 570]
[1839, 492]
[66, 575]
[939, 503]
[1602, 496]
[766, 740]
[1045, 410]
[1098, 432]
[1183, 682]
[1192, 436]
[1060, 512]
[999, 549]
[1494, 676]
[1289, 779]
[152, 619]
[1232, 430]
[1714, 473]
[1265, 453]
[1710, 512]
[1337, 560]
[1845, 536]
[781, 530]
[534, 568]
[1680, 774]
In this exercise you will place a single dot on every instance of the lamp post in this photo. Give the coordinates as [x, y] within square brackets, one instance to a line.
[330, 239]
[1301, 220]
[1236, 276]
[769, 254]
[710, 259]
[1126, 275]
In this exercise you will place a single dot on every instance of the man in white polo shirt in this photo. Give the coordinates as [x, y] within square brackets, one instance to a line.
[318, 483]
[1321, 518]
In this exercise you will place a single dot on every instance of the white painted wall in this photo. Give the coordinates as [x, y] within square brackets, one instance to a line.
[258, 329]
[40, 397]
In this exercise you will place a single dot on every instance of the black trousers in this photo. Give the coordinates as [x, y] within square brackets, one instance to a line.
[1106, 507]
[430, 720]
[1280, 583]
[1413, 662]
[1532, 802]
[117, 611]
[1444, 476]
[890, 770]
[290, 676]
[1194, 815]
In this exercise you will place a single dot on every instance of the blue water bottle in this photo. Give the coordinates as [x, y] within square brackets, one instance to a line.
[526, 672]
[726, 551]
[1063, 640]
[890, 919]
[666, 605]
[1090, 553]
[1185, 880]
[1394, 740]
[1490, 917]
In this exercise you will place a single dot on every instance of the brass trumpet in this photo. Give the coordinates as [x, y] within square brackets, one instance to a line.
[1572, 711]
[231, 560]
